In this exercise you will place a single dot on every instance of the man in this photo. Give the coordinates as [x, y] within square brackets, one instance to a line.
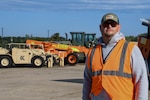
[115, 69]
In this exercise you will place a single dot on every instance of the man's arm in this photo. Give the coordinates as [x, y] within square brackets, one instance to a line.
[86, 85]
[139, 74]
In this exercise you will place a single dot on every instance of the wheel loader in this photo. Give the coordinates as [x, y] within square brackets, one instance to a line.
[22, 53]
[72, 52]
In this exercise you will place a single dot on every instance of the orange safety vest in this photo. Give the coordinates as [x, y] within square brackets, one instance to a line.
[115, 75]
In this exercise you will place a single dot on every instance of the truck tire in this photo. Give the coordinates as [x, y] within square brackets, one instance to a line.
[147, 62]
[37, 61]
[5, 61]
[147, 68]
[72, 59]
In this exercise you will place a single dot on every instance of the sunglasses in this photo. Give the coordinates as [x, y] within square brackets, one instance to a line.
[112, 23]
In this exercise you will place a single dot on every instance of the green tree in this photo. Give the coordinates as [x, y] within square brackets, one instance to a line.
[131, 38]
[56, 37]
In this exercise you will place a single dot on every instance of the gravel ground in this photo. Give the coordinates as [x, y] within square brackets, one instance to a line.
[26, 83]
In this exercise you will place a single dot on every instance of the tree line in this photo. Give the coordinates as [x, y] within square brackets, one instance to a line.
[54, 37]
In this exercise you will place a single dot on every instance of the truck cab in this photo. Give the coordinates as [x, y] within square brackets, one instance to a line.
[83, 39]
[144, 43]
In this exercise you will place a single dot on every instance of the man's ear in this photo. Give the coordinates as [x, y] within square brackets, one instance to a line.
[119, 27]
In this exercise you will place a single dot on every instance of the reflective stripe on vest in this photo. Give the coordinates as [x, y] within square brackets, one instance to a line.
[113, 73]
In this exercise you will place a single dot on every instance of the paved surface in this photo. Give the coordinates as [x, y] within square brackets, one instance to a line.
[57, 83]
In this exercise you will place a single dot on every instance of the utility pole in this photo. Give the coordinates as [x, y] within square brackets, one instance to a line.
[2, 34]
[48, 34]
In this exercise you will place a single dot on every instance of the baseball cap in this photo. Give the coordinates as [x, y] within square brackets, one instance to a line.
[110, 16]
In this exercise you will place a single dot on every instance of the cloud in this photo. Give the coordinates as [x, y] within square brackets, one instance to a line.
[46, 5]
[117, 4]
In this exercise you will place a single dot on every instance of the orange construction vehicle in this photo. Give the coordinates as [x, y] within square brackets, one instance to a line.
[72, 52]
[144, 43]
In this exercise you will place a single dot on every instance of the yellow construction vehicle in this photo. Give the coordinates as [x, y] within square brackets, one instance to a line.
[72, 52]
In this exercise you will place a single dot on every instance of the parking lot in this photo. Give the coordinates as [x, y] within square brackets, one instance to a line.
[26, 83]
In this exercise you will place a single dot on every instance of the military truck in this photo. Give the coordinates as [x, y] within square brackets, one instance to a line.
[22, 53]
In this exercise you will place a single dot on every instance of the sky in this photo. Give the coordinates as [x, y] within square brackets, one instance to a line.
[43, 18]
